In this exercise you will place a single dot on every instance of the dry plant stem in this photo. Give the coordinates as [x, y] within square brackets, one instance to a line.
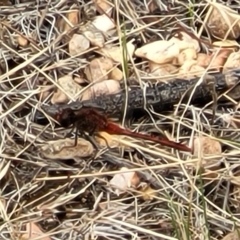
[159, 96]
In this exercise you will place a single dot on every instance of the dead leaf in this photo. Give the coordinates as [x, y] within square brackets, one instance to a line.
[208, 150]
[94, 35]
[219, 58]
[115, 52]
[78, 44]
[103, 88]
[206, 146]
[123, 180]
[73, 18]
[56, 149]
[103, 7]
[22, 41]
[216, 60]
[99, 69]
[223, 22]
[235, 235]
[69, 86]
[116, 74]
[147, 192]
[103, 23]
[159, 51]
[33, 232]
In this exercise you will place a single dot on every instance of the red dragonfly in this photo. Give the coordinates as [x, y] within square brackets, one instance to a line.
[90, 120]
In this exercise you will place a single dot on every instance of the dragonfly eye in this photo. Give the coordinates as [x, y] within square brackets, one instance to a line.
[66, 117]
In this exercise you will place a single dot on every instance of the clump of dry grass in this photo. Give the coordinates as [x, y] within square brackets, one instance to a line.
[178, 197]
